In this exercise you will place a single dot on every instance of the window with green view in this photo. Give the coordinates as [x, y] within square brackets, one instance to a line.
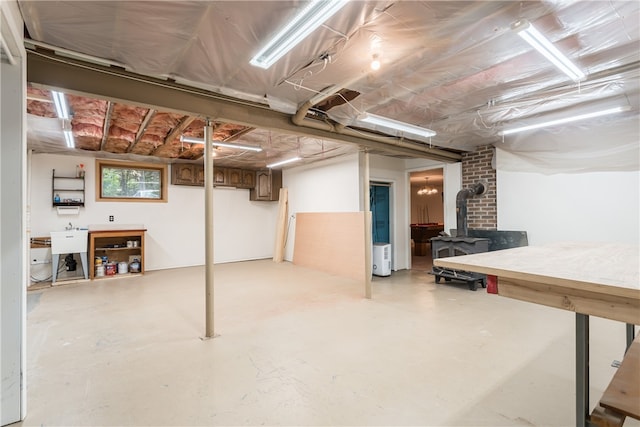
[135, 182]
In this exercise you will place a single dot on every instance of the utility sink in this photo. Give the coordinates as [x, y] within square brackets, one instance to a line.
[71, 241]
[68, 242]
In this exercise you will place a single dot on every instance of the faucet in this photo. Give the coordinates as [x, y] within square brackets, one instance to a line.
[70, 227]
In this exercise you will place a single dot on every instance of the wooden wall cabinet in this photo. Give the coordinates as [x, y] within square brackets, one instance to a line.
[113, 245]
[267, 187]
[248, 178]
[234, 177]
[190, 174]
[183, 174]
[220, 176]
[199, 169]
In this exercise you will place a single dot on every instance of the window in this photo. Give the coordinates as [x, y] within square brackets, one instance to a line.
[130, 182]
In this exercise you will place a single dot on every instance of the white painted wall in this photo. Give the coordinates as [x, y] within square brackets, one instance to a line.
[13, 218]
[243, 230]
[328, 186]
[595, 206]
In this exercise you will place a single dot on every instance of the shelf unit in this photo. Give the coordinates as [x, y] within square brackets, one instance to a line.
[70, 189]
[113, 245]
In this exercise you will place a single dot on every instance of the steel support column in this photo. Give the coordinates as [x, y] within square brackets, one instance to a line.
[208, 227]
[366, 190]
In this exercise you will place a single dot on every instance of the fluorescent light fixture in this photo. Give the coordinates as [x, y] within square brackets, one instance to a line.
[283, 162]
[311, 17]
[193, 140]
[68, 133]
[68, 137]
[395, 124]
[237, 146]
[566, 120]
[61, 104]
[532, 36]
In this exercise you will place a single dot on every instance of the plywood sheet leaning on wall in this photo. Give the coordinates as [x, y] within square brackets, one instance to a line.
[332, 242]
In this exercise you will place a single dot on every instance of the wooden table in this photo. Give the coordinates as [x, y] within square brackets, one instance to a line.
[622, 397]
[590, 279]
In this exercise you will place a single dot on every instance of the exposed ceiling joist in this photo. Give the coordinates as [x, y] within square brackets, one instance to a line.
[143, 127]
[177, 131]
[107, 123]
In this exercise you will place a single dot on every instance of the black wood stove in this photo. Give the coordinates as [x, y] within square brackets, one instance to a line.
[461, 244]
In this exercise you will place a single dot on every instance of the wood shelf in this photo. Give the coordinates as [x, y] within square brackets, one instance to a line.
[69, 188]
[68, 204]
[135, 248]
[99, 241]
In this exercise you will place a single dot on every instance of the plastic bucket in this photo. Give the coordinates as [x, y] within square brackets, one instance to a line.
[100, 270]
[123, 268]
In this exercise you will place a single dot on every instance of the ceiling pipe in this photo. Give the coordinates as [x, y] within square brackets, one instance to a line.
[377, 141]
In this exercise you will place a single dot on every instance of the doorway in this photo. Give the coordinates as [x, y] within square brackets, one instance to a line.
[427, 214]
[380, 221]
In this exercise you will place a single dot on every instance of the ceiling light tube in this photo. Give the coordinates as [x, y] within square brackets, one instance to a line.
[237, 146]
[192, 140]
[68, 137]
[61, 104]
[532, 36]
[311, 17]
[283, 162]
[566, 120]
[67, 130]
[395, 124]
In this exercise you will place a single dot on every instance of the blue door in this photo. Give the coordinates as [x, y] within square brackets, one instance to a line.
[379, 196]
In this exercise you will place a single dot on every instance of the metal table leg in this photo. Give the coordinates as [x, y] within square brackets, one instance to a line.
[631, 334]
[54, 267]
[582, 369]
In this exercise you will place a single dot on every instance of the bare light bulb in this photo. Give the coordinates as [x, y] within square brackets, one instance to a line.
[375, 64]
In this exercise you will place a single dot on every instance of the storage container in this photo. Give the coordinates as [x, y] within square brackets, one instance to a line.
[110, 268]
[123, 268]
[100, 270]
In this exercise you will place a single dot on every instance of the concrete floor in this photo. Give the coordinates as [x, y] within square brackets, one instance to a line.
[299, 347]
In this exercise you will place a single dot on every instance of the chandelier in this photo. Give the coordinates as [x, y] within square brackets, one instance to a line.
[427, 190]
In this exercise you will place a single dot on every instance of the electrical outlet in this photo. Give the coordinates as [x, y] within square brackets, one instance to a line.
[110, 218]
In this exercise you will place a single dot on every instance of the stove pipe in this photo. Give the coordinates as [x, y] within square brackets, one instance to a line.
[476, 189]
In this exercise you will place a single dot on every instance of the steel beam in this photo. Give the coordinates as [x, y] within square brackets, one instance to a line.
[111, 83]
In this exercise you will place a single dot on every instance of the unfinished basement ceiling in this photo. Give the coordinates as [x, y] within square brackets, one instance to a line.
[123, 131]
[454, 67]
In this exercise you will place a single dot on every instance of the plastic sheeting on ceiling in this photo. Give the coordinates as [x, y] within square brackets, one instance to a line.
[454, 67]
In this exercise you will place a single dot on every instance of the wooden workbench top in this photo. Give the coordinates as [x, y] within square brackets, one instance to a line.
[599, 267]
